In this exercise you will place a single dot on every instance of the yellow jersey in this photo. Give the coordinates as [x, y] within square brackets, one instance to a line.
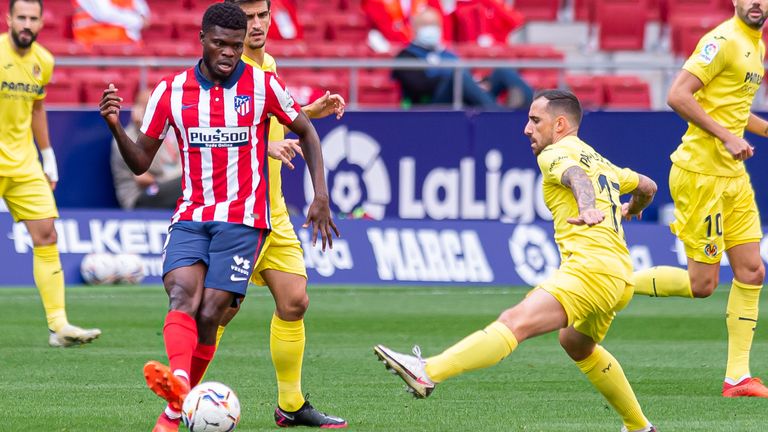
[597, 249]
[22, 82]
[276, 133]
[729, 61]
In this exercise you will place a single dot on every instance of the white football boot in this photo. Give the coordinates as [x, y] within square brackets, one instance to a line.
[409, 367]
[70, 335]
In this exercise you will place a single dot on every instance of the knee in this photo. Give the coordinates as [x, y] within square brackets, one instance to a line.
[519, 325]
[703, 286]
[576, 351]
[45, 236]
[208, 317]
[294, 307]
[178, 298]
[752, 273]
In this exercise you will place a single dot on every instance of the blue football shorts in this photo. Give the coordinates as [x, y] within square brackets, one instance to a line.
[230, 251]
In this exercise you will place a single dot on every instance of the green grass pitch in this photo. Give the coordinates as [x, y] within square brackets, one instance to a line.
[673, 351]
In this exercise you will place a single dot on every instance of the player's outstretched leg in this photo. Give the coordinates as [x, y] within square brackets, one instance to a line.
[165, 384]
[307, 415]
[70, 335]
[409, 367]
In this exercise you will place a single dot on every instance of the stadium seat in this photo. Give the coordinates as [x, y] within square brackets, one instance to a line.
[584, 10]
[626, 92]
[64, 47]
[538, 10]
[621, 27]
[62, 90]
[338, 49]
[685, 31]
[314, 25]
[696, 7]
[119, 50]
[349, 27]
[159, 30]
[93, 83]
[186, 24]
[287, 49]
[377, 92]
[588, 88]
[173, 48]
[539, 78]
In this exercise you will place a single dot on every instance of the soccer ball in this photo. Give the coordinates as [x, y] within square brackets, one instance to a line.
[99, 268]
[211, 407]
[130, 268]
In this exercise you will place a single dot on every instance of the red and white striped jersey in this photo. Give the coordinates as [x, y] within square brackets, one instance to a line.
[222, 135]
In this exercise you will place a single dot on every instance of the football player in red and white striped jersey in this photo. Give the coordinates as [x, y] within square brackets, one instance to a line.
[220, 111]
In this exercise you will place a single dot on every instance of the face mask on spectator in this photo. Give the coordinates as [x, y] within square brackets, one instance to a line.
[429, 36]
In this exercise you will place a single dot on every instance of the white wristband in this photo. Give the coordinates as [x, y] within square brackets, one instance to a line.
[49, 164]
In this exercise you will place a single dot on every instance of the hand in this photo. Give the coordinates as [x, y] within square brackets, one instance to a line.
[109, 106]
[326, 105]
[319, 216]
[627, 216]
[739, 148]
[590, 217]
[284, 151]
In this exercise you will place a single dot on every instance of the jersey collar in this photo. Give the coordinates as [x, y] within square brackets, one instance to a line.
[749, 31]
[206, 84]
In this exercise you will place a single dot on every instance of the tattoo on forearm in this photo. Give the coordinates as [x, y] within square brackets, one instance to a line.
[581, 186]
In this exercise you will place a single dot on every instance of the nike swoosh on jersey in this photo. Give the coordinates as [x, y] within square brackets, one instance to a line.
[234, 278]
[188, 106]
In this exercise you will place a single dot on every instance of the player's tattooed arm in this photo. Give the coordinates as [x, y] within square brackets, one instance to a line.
[641, 198]
[584, 192]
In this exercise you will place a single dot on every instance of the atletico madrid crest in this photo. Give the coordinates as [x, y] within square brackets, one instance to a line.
[243, 105]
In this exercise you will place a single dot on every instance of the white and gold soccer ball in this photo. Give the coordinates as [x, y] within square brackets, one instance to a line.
[130, 268]
[211, 407]
[98, 269]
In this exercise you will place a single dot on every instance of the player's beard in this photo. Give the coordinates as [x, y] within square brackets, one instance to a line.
[213, 70]
[754, 24]
[20, 43]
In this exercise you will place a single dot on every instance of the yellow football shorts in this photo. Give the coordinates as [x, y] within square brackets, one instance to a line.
[28, 198]
[282, 251]
[713, 214]
[591, 300]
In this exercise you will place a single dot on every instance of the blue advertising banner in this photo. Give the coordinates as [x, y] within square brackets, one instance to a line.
[369, 252]
[417, 165]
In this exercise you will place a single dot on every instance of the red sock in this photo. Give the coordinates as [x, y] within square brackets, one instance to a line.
[201, 358]
[180, 336]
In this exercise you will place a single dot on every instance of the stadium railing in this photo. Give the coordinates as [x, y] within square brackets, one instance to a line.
[144, 64]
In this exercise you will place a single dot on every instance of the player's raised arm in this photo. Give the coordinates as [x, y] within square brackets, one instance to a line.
[577, 180]
[319, 213]
[138, 155]
[642, 196]
[680, 98]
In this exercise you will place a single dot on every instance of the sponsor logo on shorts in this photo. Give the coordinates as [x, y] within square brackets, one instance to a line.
[242, 267]
[710, 250]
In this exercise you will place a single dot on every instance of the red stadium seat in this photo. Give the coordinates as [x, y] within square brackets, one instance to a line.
[696, 7]
[64, 47]
[539, 78]
[62, 90]
[626, 92]
[338, 49]
[159, 30]
[186, 25]
[538, 10]
[93, 83]
[686, 31]
[621, 27]
[584, 10]
[350, 27]
[377, 91]
[119, 50]
[588, 88]
[172, 48]
[281, 49]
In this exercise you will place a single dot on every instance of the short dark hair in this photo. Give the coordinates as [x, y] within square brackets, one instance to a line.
[562, 102]
[13, 2]
[239, 2]
[225, 15]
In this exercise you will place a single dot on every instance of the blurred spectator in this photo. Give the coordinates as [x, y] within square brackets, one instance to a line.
[485, 22]
[392, 19]
[109, 21]
[159, 187]
[435, 86]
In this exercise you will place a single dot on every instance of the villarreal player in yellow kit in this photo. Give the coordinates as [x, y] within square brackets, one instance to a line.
[25, 185]
[281, 264]
[715, 208]
[593, 283]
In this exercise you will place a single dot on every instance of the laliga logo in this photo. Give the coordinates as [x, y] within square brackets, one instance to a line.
[352, 158]
[535, 257]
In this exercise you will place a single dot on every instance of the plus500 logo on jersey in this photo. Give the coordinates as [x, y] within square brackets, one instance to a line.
[218, 137]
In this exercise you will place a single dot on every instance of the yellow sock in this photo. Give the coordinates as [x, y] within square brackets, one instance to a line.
[605, 373]
[481, 349]
[741, 320]
[219, 334]
[286, 343]
[49, 278]
[663, 281]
